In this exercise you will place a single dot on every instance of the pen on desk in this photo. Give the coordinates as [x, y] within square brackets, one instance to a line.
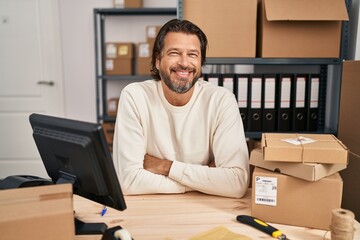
[262, 226]
[103, 211]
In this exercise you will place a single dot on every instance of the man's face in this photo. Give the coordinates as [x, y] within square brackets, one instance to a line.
[180, 61]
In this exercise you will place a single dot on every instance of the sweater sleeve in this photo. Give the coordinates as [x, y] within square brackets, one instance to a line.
[230, 177]
[129, 148]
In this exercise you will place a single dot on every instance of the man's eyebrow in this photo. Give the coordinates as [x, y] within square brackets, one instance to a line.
[178, 49]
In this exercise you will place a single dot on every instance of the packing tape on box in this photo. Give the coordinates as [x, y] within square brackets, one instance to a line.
[342, 224]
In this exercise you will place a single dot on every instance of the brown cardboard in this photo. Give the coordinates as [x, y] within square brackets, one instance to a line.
[349, 134]
[119, 66]
[230, 26]
[44, 212]
[300, 29]
[326, 149]
[151, 33]
[143, 58]
[112, 106]
[298, 202]
[306, 171]
[127, 3]
[115, 50]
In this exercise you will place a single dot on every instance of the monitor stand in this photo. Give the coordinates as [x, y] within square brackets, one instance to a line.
[82, 228]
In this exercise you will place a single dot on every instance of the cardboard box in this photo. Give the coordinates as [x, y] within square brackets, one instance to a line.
[313, 148]
[307, 171]
[300, 29]
[44, 212]
[112, 107]
[143, 58]
[119, 66]
[232, 34]
[128, 3]
[151, 34]
[349, 134]
[118, 50]
[279, 198]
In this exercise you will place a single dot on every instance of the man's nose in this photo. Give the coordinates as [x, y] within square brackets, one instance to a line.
[184, 60]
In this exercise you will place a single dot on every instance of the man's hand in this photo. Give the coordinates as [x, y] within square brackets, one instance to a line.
[157, 165]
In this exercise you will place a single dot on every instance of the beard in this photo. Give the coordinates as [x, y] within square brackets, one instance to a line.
[182, 85]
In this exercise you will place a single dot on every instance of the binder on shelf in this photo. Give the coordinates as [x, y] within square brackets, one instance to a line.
[213, 78]
[255, 108]
[242, 86]
[268, 99]
[228, 82]
[313, 102]
[284, 115]
[299, 97]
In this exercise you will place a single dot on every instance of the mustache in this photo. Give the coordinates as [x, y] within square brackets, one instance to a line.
[180, 68]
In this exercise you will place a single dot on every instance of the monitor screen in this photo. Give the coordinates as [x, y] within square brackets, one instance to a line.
[76, 152]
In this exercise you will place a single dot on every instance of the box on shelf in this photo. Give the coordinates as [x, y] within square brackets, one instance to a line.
[307, 171]
[109, 128]
[115, 50]
[229, 35]
[151, 33]
[283, 199]
[43, 212]
[300, 29]
[120, 66]
[119, 58]
[112, 106]
[128, 3]
[143, 58]
[308, 148]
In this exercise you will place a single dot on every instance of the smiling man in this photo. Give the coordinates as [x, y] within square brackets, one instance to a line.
[177, 133]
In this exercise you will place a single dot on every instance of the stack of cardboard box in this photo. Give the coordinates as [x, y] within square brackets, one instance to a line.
[119, 58]
[296, 179]
[144, 51]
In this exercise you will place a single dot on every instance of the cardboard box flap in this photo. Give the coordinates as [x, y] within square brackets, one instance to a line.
[306, 10]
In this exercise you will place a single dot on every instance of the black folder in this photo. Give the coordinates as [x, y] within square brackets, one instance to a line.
[299, 101]
[268, 103]
[255, 103]
[313, 102]
[283, 103]
[213, 78]
[242, 87]
[228, 82]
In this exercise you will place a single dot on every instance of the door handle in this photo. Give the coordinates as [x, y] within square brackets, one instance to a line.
[49, 83]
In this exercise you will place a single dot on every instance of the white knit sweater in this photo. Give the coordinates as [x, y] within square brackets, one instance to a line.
[208, 127]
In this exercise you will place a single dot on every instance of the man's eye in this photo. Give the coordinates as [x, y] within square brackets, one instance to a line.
[173, 53]
[193, 55]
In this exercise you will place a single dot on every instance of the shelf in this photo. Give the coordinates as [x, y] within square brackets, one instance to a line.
[135, 11]
[272, 61]
[125, 77]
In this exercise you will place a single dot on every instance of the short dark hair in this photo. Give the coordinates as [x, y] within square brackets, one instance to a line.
[176, 25]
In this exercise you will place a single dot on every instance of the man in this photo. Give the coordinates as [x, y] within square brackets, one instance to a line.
[176, 133]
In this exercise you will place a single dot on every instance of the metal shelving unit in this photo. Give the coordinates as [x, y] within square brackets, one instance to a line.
[328, 101]
[99, 39]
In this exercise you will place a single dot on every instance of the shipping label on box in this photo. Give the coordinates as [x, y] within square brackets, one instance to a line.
[32, 213]
[307, 171]
[306, 148]
[298, 202]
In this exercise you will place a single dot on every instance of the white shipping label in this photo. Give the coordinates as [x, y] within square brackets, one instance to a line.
[110, 51]
[265, 190]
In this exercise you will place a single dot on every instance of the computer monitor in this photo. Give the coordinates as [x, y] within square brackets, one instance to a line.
[76, 152]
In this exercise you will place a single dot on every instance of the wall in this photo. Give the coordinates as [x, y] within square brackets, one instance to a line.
[77, 36]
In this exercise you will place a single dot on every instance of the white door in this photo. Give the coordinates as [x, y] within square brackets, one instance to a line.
[30, 79]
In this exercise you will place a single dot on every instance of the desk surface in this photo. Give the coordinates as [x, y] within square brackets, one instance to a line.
[181, 216]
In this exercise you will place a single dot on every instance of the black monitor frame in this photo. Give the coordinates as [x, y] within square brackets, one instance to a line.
[76, 152]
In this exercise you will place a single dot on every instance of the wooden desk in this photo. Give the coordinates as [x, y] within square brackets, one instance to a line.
[181, 216]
